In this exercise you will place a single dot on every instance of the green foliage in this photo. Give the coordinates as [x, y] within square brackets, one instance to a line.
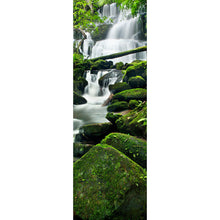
[85, 14]
[77, 57]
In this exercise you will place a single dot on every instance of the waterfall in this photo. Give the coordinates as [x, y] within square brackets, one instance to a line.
[124, 35]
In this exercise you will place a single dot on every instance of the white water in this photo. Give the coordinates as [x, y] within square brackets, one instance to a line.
[92, 111]
[122, 36]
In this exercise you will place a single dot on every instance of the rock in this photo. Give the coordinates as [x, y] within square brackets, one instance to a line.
[134, 148]
[104, 80]
[79, 86]
[78, 99]
[101, 33]
[80, 149]
[109, 185]
[133, 104]
[137, 82]
[101, 64]
[78, 72]
[96, 131]
[137, 69]
[119, 66]
[127, 95]
[135, 122]
[112, 117]
[118, 87]
[117, 107]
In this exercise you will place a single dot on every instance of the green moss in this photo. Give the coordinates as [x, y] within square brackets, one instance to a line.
[135, 122]
[134, 148]
[133, 104]
[101, 64]
[80, 149]
[127, 95]
[119, 66]
[105, 182]
[118, 106]
[119, 87]
[137, 82]
[112, 117]
[79, 86]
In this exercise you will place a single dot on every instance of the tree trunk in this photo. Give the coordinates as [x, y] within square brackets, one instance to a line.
[84, 37]
[124, 53]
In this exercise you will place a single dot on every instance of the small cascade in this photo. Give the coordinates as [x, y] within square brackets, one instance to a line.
[92, 111]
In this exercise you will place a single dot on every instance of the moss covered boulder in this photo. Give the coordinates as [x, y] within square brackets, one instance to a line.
[119, 87]
[137, 82]
[117, 106]
[109, 185]
[119, 66]
[136, 69]
[101, 64]
[135, 122]
[134, 148]
[78, 72]
[79, 85]
[96, 131]
[133, 104]
[112, 117]
[80, 149]
[127, 95]
[78, 99]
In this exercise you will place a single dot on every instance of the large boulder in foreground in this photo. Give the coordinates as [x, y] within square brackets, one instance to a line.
[96, 131]
[134, 148]
[78, 99]
[127, 95]
[109, 185]
[135, 122]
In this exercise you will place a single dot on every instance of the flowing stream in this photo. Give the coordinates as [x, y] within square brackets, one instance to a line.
[124, 35]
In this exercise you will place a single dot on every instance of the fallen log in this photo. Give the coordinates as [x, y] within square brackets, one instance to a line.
[124, 53]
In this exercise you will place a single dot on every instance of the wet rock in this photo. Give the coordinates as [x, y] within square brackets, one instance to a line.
[80, 149]
[109, 185]
[135, 122]
[117, 106]
[101, 33]
[104, 80]
[112, 117]
[79, 85]
[137, 82]
[96, 131]
[118, 87]
[78, 99]
[127, 95]
[134, 148]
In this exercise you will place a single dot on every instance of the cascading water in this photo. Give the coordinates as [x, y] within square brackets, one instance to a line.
[124, 35]
[92, 111]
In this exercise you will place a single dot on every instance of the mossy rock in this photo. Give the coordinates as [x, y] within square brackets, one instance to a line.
[78, 99]
[119, 66]
[134, 148]
[127, 95]
[133, 104]
[80, 149]
[109, 185]
[135, 122]
[104, 80]
[136, 69]
[101, 33]
[101, 64]
[118, 87]
[137, 82]
[79, 86]
[77, 73]
[112, 117]
[96, 131]
[117, 107]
